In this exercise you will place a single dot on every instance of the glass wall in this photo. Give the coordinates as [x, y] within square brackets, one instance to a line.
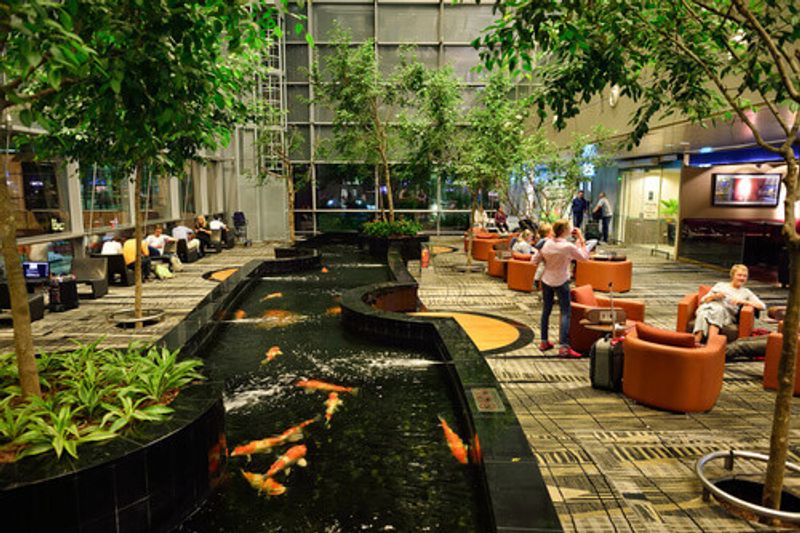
[38, 194]
[104, 198]
[154, 197]
[341, 196]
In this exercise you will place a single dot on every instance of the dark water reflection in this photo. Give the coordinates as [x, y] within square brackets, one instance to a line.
[383, 464]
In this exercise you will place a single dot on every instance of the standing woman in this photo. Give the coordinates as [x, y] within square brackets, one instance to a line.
[603, 208]
[557, 254]
[720, 306]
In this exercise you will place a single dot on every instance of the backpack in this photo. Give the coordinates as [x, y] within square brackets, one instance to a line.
[162, 271]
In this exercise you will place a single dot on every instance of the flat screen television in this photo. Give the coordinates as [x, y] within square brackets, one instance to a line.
[746, 190]
[34, 270]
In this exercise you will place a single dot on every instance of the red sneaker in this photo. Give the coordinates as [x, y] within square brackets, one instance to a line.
[546, 345]
[566, 351]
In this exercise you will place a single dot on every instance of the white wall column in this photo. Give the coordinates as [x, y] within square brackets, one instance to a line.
[74, 198]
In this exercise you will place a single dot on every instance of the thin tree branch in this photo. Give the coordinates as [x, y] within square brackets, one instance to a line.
[718, 82]
[777, 56]
[725, 15]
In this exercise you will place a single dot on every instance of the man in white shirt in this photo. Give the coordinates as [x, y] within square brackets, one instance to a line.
[112, 247]
[156, 241]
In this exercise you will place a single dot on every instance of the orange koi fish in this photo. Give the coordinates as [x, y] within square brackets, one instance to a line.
[272, 296]
[332, 405]
[239, 314]
[264, 484]
[336, 310]
[457, 447]
[313, 384]
[293, 434]
[271, 354]
[324, 270]
[294, 455]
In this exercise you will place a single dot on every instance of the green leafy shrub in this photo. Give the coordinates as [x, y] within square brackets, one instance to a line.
[89, 395]
[384, 228]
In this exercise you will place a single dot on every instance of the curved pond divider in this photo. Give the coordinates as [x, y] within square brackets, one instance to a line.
[517, 496]
[154, 476]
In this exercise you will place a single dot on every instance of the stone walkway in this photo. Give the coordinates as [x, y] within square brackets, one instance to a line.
[609, 463]
[176, 296]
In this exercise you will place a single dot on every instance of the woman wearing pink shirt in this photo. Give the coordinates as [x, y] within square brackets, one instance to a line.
[557, 255]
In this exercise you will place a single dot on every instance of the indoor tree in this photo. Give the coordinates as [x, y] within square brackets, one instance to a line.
[56, 55]
[351, 84]
[495, 145]
[702, 59]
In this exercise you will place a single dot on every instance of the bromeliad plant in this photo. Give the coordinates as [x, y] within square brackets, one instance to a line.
[88, 395]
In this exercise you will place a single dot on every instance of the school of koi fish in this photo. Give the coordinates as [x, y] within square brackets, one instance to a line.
[266, 483]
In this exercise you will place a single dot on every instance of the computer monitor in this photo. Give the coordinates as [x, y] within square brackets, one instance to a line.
[36, 269]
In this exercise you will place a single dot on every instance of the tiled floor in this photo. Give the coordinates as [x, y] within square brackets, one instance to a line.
[611, 464]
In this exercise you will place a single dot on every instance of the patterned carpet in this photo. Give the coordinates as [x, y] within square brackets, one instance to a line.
[611, 464]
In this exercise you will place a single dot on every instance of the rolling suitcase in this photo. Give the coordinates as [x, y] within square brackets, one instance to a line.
[605, 364]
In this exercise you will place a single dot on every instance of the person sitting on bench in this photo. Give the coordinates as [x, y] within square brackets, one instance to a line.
[202, 232]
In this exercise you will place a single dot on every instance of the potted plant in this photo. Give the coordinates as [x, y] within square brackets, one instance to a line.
[381, 234]
[669, 213]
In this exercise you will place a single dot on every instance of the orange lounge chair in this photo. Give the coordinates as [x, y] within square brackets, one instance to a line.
[771, 359]
[520, 272]
[665, 369]
[599, 274]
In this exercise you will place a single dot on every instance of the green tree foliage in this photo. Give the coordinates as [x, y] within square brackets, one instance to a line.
[175, 76]
[695, 58]
[361, 98]
[123, 82]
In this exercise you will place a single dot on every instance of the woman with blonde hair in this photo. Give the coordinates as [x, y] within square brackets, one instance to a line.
[557, 255]
[720, 306]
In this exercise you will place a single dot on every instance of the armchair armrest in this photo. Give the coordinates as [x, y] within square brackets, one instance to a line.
[686, 308]
[747, 319]
[634, 309]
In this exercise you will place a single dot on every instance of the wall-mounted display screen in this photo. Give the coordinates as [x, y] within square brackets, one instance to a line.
[746, 190]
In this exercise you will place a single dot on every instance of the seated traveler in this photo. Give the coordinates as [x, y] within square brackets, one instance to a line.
[524, 244]
[156, 241]
[129, 252]
[720, 306]
[202, 232]
[112, 247]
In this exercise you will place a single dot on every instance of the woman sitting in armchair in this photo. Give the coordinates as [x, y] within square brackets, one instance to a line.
[720, 305]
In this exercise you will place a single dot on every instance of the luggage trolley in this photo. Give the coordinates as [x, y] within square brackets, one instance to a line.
[240, 228]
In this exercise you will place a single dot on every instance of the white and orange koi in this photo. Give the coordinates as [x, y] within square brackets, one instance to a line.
[293, 434]
[294, 455]
[336, 310]
[314, 384]
[271, 354]
[272, 296]
[239, 314]
[324, 270]
[332, 404]
[264, 484]
[457, 447]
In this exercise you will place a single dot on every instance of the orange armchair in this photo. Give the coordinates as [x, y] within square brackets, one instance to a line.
[599, 274]
[689, 304]
[494, 267]
[521, 272]
[583, 297]
[482, 244]
[773, 356]
[676, 378]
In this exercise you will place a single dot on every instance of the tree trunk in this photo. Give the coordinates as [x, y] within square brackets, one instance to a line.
[388, 180]
[137, 270]
[779, 439]
[20, 312]
[290, 214]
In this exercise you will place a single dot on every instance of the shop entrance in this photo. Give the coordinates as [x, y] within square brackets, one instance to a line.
[649, 207]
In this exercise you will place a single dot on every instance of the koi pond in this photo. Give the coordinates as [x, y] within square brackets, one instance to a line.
[377, 458]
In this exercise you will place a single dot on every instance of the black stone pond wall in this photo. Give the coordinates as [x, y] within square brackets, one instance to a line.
[153, 477]
[518, 500]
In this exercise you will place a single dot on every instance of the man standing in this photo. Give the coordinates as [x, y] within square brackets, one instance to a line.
[603, 208]
[579, 207]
